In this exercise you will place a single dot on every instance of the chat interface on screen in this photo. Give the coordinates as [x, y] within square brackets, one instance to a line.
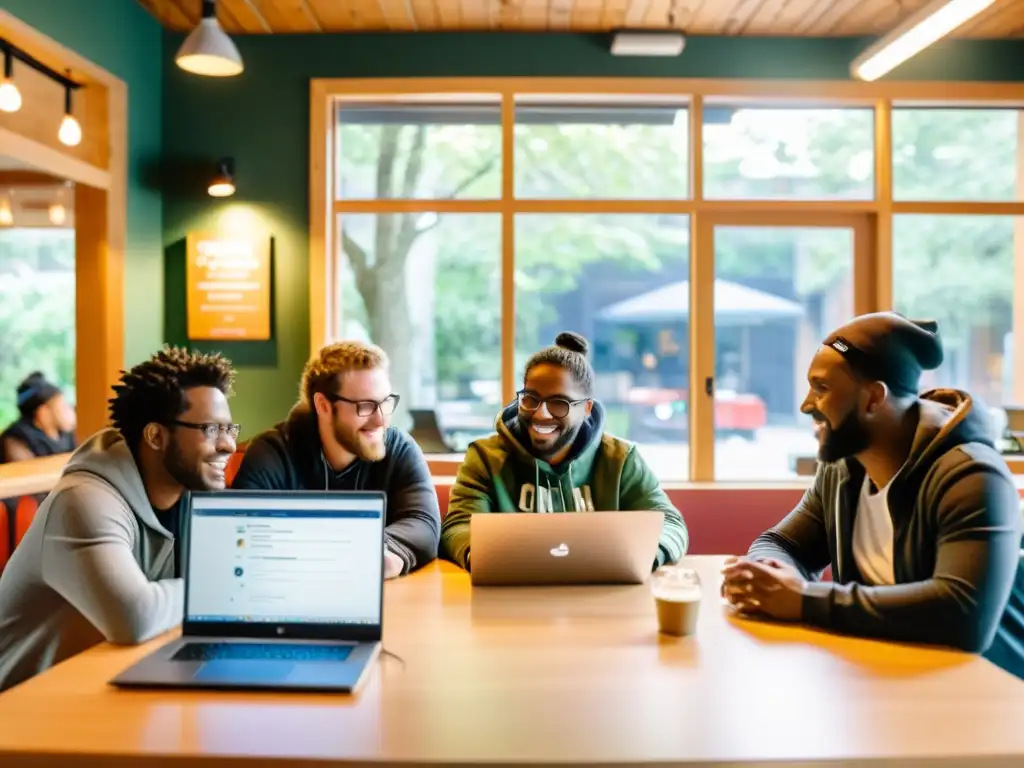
[285, 560]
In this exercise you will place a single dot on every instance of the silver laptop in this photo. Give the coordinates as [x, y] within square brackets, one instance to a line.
[283, 590]
[523, 548]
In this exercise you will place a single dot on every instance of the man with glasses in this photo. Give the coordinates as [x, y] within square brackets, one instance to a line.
[101, 560]
[551, 454]
[339, 438]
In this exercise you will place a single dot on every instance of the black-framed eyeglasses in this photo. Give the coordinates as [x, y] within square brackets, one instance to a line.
[367, 407]
[558, 407]
[211, 430]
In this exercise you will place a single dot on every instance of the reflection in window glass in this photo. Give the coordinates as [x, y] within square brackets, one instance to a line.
[419, 151]
[586, 151]
[37, 310]
[955, 154]
[778, 292]
[427, 289]
[958, 271]
[623, 282]
[754, 153]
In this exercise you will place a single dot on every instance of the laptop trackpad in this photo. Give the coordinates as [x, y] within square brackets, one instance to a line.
[273, 671]
[249, 671]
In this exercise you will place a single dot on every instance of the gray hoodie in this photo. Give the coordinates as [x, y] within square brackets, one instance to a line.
[94, 565]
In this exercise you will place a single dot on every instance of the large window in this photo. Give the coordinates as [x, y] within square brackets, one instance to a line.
[704, 243]
[37, 310]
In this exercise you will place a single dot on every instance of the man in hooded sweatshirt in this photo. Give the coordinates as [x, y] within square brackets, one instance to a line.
[101, 559]
[912, 507]
[46, 422]
[551, 454]
[339, 438]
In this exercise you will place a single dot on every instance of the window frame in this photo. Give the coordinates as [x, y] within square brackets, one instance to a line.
[874, 217]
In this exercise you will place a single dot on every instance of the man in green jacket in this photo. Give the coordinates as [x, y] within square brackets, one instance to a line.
[551, 455]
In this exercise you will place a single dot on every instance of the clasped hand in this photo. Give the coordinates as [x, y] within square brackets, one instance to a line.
[764, 588]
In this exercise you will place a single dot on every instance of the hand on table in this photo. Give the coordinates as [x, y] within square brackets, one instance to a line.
[392, 564]
[767, 588]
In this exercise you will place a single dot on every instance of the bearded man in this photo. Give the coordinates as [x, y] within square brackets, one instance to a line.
[912, 507]
[101, 559]
[339, 438]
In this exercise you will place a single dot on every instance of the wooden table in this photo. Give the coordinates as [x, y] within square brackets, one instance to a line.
[547, 676]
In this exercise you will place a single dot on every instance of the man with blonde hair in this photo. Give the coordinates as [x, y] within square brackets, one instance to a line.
[339, 438]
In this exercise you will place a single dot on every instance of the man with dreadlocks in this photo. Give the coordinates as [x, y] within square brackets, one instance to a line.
[100, 560]
[551, 454]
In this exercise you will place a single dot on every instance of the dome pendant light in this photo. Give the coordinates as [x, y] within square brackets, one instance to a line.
[208, 50]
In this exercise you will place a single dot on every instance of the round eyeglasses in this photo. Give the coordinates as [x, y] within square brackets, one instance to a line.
[558, 407]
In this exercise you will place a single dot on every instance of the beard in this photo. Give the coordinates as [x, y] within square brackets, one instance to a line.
[186, 475]
[356, 442]
[544, 449]
[846, 439]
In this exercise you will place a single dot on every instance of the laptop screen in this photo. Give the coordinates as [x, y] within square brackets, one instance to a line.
[285, 558]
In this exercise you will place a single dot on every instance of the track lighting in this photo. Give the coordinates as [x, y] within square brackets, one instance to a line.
[69, 131]
[10, 96]
[223, 184]
[208, 50]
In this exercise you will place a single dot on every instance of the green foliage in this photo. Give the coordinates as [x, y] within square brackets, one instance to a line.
[37, 310]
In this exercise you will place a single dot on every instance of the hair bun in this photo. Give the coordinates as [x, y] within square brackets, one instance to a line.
[574, 342]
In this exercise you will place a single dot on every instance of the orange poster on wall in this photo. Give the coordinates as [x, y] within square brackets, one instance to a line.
[227, 281]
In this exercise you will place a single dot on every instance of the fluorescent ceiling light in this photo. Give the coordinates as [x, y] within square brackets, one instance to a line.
[642, 43]
[931, 23]
[208, 50]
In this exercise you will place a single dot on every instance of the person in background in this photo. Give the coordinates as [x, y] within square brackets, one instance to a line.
[339, 438]
[912, 507]
[551, 454]
[101, 559]
[46, 424]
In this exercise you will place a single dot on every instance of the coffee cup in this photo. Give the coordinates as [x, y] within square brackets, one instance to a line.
[677, 594]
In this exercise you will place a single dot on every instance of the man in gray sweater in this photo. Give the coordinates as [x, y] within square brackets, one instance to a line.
[101, 559]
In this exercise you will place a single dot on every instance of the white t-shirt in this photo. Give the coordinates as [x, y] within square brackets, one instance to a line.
[872, 536]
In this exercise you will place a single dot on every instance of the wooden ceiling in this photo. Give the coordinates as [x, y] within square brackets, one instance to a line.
[804, 18]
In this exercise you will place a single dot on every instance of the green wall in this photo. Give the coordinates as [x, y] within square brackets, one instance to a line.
[262, 120]
[121, 37]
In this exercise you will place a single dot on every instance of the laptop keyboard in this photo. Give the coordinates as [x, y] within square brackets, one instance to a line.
[261, 651]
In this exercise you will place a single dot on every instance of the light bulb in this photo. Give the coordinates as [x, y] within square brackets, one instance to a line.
[70, 133]
[221, 188]
[6, 215]
[57, 214]
[10, 97]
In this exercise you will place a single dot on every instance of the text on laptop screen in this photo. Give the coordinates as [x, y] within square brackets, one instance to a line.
[285, 560]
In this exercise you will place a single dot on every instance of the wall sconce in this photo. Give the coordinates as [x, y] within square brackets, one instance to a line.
[223, 183]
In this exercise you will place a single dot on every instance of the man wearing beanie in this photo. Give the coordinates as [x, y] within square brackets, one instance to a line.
[912, 507]
[46, 424]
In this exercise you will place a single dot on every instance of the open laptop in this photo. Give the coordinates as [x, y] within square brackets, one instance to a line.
[283, 590]
[510, 549]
